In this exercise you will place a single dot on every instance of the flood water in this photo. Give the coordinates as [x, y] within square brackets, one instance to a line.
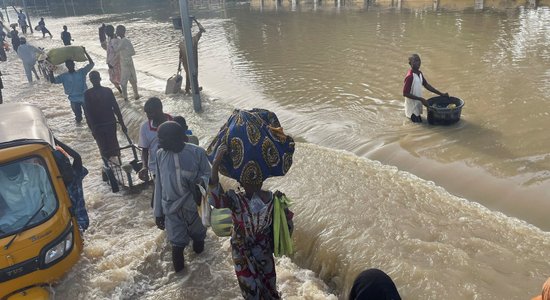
[457, 212]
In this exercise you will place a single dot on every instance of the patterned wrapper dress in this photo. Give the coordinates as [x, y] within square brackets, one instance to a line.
[251, 241]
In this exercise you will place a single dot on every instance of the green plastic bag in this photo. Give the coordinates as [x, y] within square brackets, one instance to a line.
[282, 240]
[221, 222]
[59, 55]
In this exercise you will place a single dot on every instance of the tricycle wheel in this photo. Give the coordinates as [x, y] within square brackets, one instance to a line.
[112, 181]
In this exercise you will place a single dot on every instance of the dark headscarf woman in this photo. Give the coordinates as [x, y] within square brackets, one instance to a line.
[373, 284]
[180, 167]
[171, 137]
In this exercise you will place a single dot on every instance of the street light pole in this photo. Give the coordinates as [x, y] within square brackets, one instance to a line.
[27, 13]
[191, 60]
[7, 15]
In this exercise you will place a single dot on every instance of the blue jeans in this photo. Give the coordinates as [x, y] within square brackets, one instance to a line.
[77, 109]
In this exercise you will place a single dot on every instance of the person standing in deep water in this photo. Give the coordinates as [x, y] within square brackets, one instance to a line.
[125, 50]
[66, 36]
[412, 90]
[180, 166]
[74, 84]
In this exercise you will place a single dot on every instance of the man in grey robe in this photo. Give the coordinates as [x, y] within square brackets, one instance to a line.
[180, 166]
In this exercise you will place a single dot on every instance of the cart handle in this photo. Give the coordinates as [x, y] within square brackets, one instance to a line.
[134, 151]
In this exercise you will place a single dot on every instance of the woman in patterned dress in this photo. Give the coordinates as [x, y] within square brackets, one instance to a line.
[251, 240]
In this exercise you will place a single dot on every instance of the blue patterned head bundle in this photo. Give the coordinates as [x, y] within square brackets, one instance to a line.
[257, 147]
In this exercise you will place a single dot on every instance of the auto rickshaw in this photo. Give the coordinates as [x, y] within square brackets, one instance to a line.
[39, 237]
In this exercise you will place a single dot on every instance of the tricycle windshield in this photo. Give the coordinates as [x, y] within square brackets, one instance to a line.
[27, 197]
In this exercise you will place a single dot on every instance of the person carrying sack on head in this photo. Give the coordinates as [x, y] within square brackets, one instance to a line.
[74, 84]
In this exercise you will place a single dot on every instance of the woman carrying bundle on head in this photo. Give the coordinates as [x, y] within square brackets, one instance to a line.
[251, 156]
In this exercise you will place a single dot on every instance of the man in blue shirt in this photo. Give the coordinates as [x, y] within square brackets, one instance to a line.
[74, 83]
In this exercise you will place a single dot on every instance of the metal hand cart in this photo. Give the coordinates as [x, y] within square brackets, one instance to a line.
[123, 170]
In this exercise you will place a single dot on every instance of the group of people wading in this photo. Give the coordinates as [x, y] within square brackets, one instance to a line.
[172, 157]
[175, 163]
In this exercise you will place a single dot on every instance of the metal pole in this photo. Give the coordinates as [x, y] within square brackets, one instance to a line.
[66, 11]
[27, 13]
[74, 11]
[192, 63]
[6, 10]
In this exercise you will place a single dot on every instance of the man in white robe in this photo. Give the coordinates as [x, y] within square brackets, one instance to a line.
[125, 50]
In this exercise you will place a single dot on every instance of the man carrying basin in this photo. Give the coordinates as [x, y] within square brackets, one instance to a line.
[412, 91]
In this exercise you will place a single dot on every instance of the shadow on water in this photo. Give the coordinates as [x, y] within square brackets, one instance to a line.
[474, 137]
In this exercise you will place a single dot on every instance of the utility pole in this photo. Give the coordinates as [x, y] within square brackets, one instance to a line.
[7, 15]
[27, 13]
[191, 60]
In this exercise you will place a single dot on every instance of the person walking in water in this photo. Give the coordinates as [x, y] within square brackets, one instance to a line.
[101, 108]
[1, 88]
[412, 91]
[3, 55]
[113, 58]
[125, 50]
[180, 166]
[252, 237]
[27, 53]
[148, 139]
[21, 20]
[74, 84]
[43, 28]
[66, 36]
[14, 35]
[183, 56]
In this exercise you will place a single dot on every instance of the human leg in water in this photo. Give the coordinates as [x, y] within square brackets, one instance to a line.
[135, 88]
[416, 119]
[133, 81]
[177, 258]
[35, 72]
[198, 246]
[28, 71]
[117, 86]
[77, 110]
